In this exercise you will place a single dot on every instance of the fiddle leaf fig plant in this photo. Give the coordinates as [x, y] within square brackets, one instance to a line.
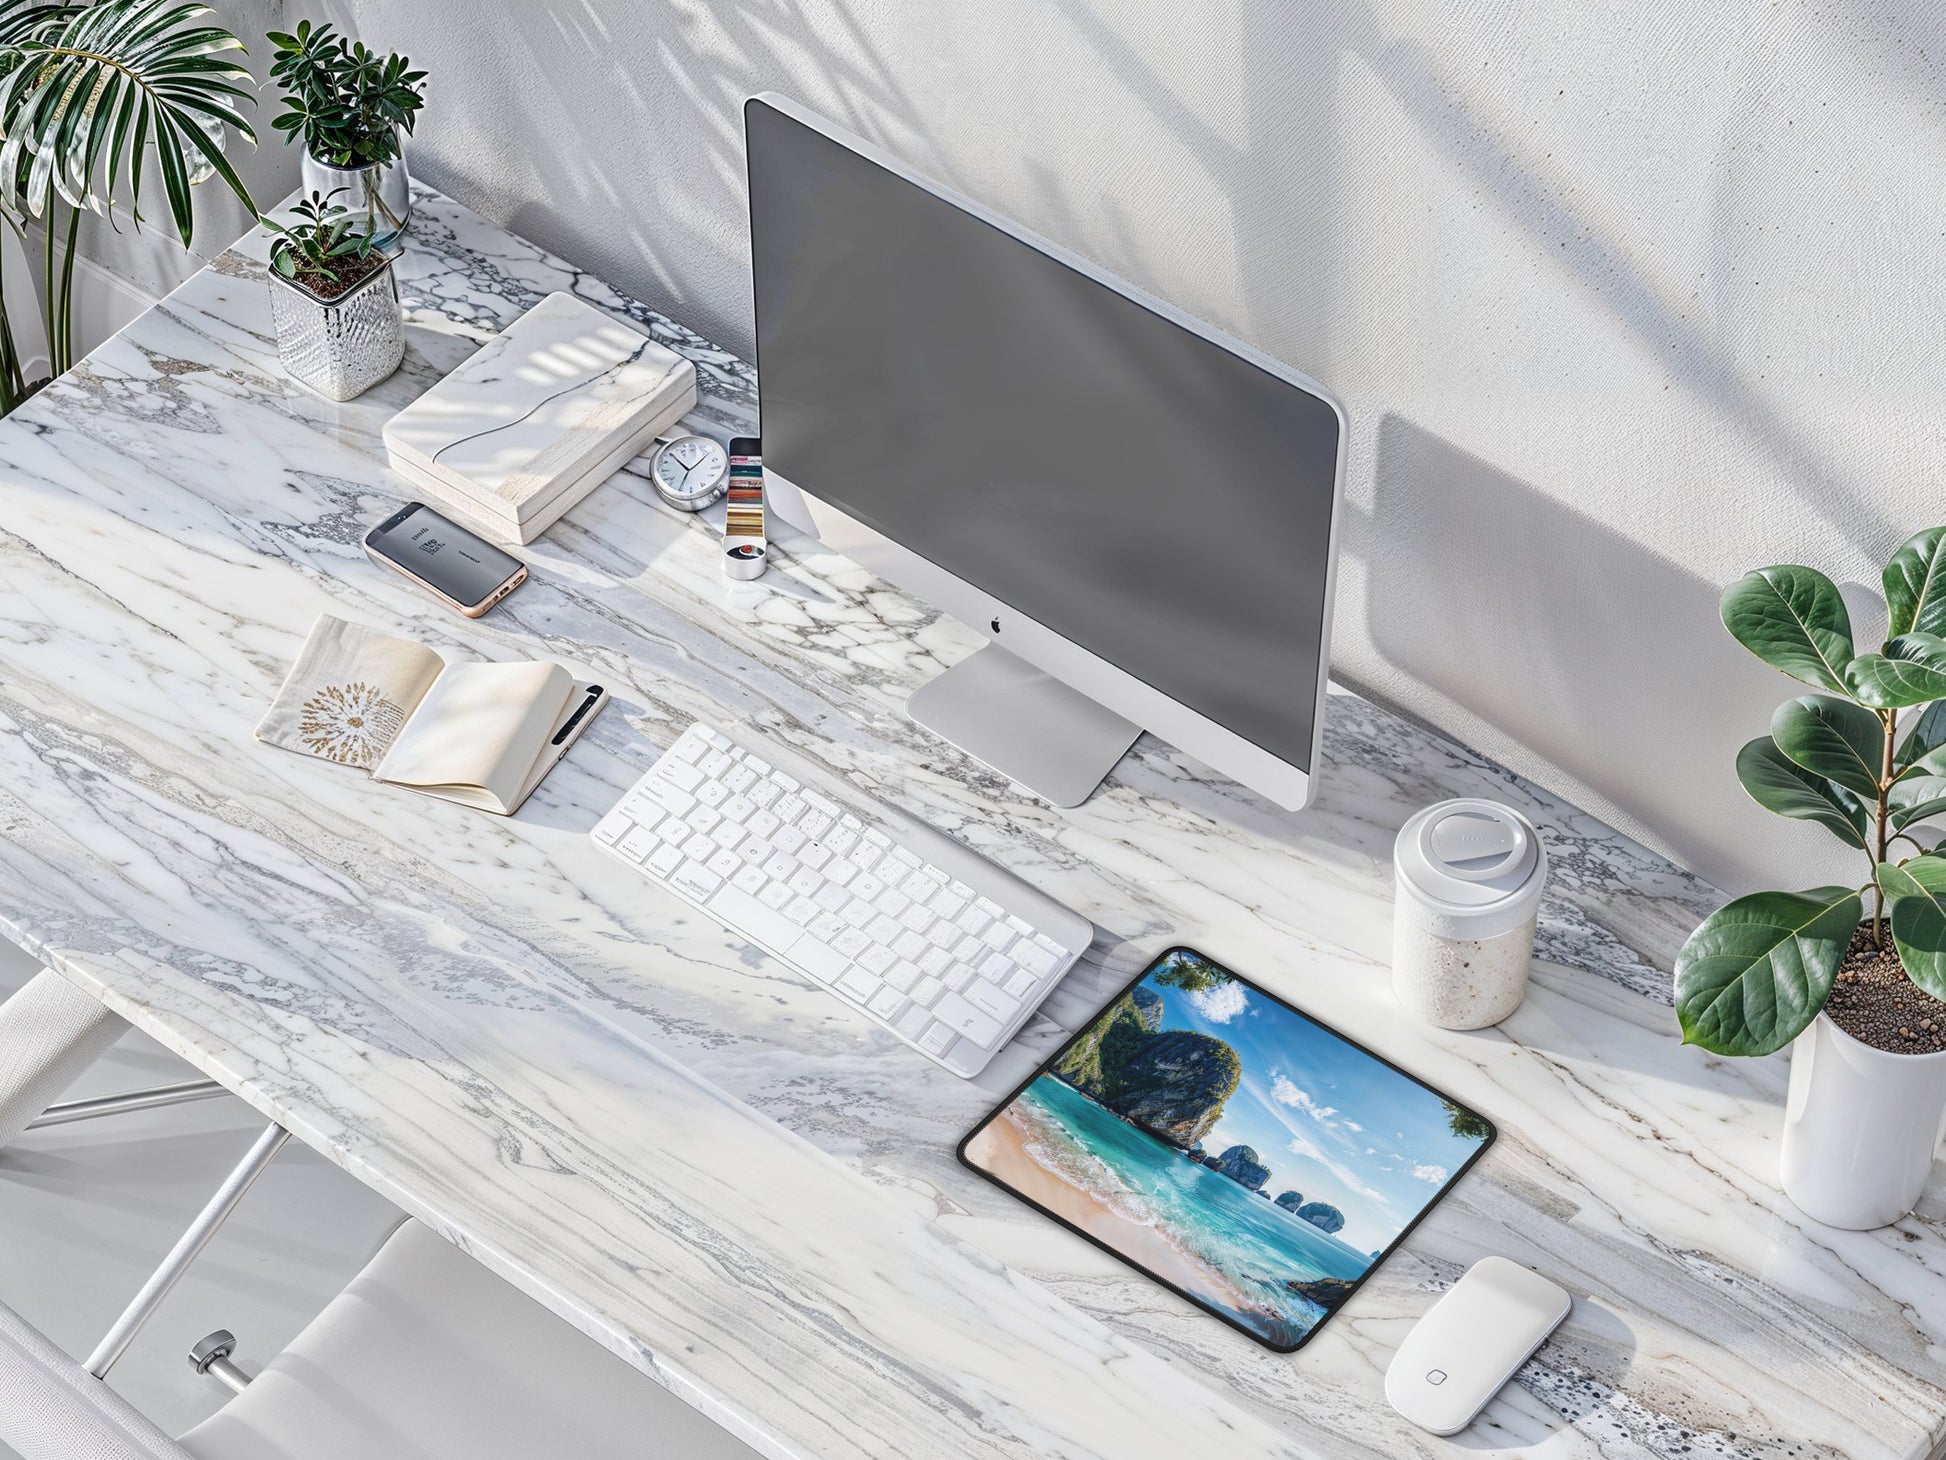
[1865, 758]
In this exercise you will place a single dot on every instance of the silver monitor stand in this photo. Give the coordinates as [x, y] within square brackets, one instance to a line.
[1024, 723]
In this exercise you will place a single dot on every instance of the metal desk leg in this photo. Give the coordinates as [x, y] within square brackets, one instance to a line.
[49, 1033]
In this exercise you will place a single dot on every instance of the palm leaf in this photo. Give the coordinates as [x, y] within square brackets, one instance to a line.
[92, 95]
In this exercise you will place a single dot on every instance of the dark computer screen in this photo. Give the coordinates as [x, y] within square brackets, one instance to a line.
[1136, 488]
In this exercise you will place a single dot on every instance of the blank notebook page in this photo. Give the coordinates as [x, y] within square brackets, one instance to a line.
[480, 725]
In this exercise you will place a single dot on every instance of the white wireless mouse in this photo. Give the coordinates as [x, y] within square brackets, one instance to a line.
[1470, 1343]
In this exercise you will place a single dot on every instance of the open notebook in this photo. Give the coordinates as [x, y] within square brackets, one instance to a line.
[480, 734]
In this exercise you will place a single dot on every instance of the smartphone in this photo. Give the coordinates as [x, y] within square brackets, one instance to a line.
[459, 568]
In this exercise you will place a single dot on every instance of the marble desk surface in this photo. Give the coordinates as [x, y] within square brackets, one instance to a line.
[708, 1163]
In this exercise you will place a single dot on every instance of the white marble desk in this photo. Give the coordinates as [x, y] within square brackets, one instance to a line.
[707, 1163]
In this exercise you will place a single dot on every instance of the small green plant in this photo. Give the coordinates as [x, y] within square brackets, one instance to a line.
[346, 101]
[1755, 974]
[319, 248]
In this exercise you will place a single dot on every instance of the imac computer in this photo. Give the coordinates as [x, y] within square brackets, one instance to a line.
[1136, 510]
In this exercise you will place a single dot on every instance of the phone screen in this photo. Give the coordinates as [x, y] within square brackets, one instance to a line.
[442, 554]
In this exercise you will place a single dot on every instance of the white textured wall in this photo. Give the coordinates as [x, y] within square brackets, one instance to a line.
[1623, 299]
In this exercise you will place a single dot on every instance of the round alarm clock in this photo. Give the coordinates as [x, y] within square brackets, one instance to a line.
[689, 472]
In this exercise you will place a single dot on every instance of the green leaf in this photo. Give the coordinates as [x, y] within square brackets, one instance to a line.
[1925, 735]
[1915, 585]
[1777, 783]
[1911, 671]
[1913, 798]
[1832, 738]
[1916, 894]
[1755, 974]
[1792, 618]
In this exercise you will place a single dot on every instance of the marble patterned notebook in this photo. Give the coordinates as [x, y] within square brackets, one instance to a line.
[539, 417]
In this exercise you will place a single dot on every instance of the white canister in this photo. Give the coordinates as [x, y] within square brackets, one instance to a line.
[1469, 877]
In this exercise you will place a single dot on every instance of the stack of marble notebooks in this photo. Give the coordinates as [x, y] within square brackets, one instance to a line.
[538, 418]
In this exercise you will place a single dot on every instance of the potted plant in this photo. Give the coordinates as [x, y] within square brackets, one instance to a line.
[95, 101]
[334, 299]
[1854, 975]
[350, 105]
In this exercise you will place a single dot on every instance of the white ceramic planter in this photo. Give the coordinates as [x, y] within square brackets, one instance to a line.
[1860, 1127]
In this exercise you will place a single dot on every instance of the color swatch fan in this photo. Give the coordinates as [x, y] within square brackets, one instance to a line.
[539, 417]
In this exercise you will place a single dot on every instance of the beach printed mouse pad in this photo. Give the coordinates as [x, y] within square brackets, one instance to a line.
[1238, 1151]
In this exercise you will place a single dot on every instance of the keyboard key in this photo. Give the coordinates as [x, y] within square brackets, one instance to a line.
[886, 1002]
[671, 799]
[858, 913]
[906, 858]
[958, 977]
[814, 856]
[1020, 983]
[703, 818]
[694, 881]
[759, 921]
[851, 942]
[725, 863]
[999, 937]
[824, 927]
[828, 895]
[611, 829]
[842, 841]
[934, 962]
[690, 747]
[699, 848]
[749, 879]
[801, 910]
[1020, 925]
[815, 823]
[740, 778]
[726, 834]
[972, 921]
[963, 1018]
[913, 1021]
[789, 808]
[865, 855]
[712, 793]
[881, 960]
[775, 895]
[969, 950]
[917, 918]
[756, 850]
[739, 809]
[841, 872]
[937, 1039]
[806, 883]
[909, 945]
[942, 935]
[764, 793]
[682, 776]
[948, 906]
[925, 990]
[714, 764]
[855, 983]
[715, 737]
[638, 844]
[888, 900]
[666, 859]
[990, 1000]
[763, 823]
[788, 839]
[822, 804]
[757, 763]
[918, 886]
[780, 867]
[996, 967]
[1034, 959]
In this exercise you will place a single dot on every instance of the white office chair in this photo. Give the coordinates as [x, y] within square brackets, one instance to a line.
[428, 1356]
[424, 1356]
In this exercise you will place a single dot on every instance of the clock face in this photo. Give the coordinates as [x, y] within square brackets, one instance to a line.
[690, 468]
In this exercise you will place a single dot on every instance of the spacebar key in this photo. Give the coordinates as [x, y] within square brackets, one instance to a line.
[745, 915]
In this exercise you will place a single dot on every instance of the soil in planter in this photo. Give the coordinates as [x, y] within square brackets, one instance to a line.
[351, 273]
[1875, 1002]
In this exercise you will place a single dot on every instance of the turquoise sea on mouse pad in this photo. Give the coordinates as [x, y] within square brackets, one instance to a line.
[1231, 1146]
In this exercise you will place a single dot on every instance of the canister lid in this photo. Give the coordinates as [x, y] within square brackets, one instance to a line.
[1474, 868]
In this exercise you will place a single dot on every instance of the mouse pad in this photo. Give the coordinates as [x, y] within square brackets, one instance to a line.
[1229, 1146]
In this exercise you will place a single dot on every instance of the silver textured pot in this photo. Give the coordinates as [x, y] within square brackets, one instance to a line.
[339, 347]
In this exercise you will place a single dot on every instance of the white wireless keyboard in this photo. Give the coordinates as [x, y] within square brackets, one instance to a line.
[948, 951]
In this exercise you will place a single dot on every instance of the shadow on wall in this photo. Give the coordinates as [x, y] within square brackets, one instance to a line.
[1492, 594]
